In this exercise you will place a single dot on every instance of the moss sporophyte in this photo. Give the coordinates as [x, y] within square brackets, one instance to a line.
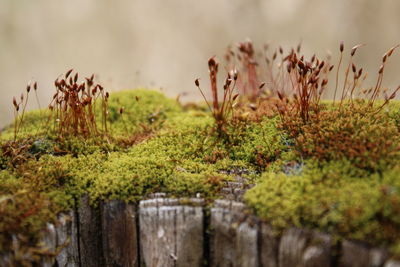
[329, 165]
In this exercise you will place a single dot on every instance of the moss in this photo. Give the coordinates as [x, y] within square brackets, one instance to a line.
[171, 162]
[158, 146]
[358, 133]
[335, 197]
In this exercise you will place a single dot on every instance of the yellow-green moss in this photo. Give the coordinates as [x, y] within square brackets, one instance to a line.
[183, 155]
[335, 197]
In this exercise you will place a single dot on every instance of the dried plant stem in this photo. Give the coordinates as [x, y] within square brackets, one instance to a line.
[337, 76]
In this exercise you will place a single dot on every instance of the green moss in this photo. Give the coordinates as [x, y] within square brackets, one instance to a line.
[335, 197]
[146, 107]
[180, 153]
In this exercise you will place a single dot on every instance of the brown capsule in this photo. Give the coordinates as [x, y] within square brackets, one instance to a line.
[81, 87]
[313, 58]
[274, 56]
[253, 106]
[28, 88]
[22, 97]
[321, 65]
[68, 73]
[280, 50]
[280, 95]
[324, 82]
[121, 110]
[235, 74]
[15, 102]
[234, 97]
[391, 50]
[360, 72]
[289, 67]
[354, 49]
[35, 86]
[261, 85]
[341, 46]
[301, 65]
[331, 67]
[353, 68]
[107, 95]
[298, 48]
[76, 77]
[212, 62]
[196, 82]
[381, 69]
[137, 98]
[384, 58]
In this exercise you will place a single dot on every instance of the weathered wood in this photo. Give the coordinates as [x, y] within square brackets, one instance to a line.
[269, 246]
[67, 240]
[119, 233]
[300, 247]
[358, 255]
[392, 263]
[171, 234]
[233, 240]
[90, 241]
[319, 250]
[49, 240]
[293, 243]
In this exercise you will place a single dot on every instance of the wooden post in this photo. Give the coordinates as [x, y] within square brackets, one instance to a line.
[90, 241]
[119, 233]
[356, 255]
[269, 246]
[50, 242]
[300, 247]
[67, 239]
[171, 234]
[234, 236]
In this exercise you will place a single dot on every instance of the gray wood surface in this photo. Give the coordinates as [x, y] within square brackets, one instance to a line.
[171, 234]
[355, 254]
[234, 238]
[67, 240]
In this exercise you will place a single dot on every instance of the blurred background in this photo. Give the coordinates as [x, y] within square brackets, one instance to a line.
[166, 43]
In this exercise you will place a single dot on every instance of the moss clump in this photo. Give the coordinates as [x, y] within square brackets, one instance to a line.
[335, 197]
[335, 172]
[25, 208]
[358, 133]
